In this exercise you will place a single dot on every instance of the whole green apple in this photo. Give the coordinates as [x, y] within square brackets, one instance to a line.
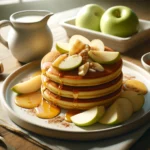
[119, 21]
[89, 17]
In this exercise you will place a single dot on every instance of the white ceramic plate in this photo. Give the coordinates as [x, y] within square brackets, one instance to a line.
[116, 43]
[29, 121]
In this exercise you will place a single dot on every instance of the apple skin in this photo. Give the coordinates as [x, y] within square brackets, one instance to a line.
[120, 111]
[88, 117]
[29, 86]
[89, 17]
[104, 57]
[119, 21]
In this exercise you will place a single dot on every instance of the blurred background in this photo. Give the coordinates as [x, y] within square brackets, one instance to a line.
[7, 7]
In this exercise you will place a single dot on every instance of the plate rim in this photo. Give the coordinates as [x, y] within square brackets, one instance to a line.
[12, 113]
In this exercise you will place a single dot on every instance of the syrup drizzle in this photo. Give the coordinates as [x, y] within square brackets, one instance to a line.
[75, 98]
[47, 110]
[60, 88]
[71, 113]
[43, 109]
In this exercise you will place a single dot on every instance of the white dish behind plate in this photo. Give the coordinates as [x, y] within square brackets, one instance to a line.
[29, 121]
[114, 42]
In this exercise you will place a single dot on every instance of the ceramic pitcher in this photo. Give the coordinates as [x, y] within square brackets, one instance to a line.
[30, 37]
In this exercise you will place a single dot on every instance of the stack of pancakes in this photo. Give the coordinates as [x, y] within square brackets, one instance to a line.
[69, 90]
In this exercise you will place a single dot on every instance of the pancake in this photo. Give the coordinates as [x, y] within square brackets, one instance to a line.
[69, 90]
[71, 78]
[82, 92]
[82, 104]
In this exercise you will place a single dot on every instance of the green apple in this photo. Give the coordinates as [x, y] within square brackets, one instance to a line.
[104, 57]
[70, 62]
[79, 37]
[97, 44]
[120, 111]
[88, 117]
[28, 86]
[119, 21]
[63, 47]
[89, 17]
[136, 99]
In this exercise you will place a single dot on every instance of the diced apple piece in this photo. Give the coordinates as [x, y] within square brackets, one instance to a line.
[79, 37]
[76, 47]
[96, 66]
[83, 69]
[88, 117]
[70, 62]
[28, 86]
[104, 57]
[58, 60]
[63, 47]
[120, 111]
[136, 99]
[97, 44]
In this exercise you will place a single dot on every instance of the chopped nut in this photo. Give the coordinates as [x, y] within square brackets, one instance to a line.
[83, 69]
[84, 54]
[92, 70]
[96, 66]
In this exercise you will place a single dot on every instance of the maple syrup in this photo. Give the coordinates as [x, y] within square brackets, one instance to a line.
[29, 101]
[75, 98]
[70, 113]
[43, 109]
[47, 110]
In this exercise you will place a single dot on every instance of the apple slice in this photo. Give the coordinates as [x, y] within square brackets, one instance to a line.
[97, 44]
[88, 117]
[120, 111]
[76, 47]
[135, 85]
[104, 57]
[28, 86]
[136, 99]
[70, 62]
[79, 37]
[63, 47]
[58, 60]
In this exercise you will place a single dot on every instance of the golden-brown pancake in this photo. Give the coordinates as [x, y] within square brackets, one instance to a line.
[83, 104]
[72, 78]
[69, 90]
[83, 92]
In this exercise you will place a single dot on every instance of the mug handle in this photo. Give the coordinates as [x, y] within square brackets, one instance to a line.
[4, 23]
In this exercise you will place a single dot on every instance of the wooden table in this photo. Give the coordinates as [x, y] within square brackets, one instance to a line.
[10, 64]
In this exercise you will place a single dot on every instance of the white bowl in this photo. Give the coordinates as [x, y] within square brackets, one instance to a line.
[144, 60]
[114, 42]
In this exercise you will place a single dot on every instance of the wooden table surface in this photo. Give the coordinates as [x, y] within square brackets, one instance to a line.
[59, 34]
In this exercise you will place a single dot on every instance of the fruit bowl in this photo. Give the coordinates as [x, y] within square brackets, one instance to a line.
[117, 43]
